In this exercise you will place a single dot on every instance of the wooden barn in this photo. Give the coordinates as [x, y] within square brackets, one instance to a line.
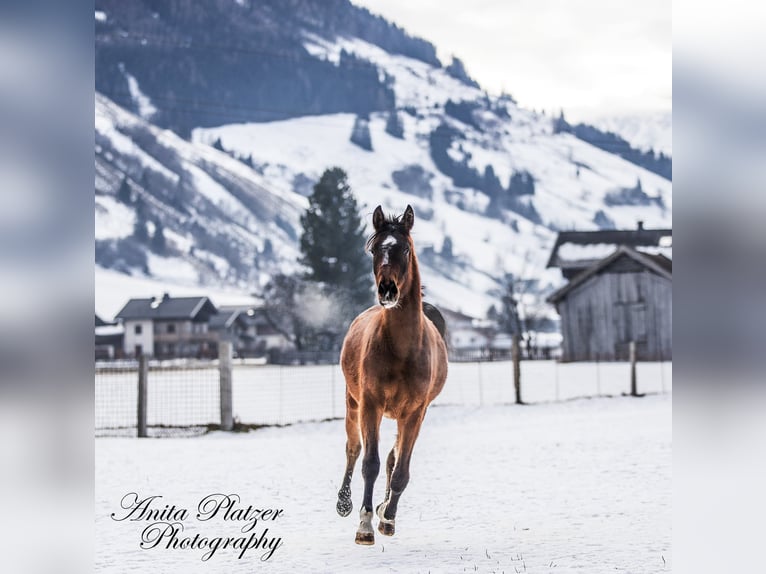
[618, 298]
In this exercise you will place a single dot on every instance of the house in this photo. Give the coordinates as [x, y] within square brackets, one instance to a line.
[109, 339]
[267, 336]
[168, 327]
[617, 293]
[462, 334]
[237, 325]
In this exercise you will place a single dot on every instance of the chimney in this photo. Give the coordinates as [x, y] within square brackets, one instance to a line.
[640, 225]
[166, 295]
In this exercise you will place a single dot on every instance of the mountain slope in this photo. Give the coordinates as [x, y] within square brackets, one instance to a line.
[488, 179]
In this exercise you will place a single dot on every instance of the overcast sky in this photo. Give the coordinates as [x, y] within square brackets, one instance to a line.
[589, 57]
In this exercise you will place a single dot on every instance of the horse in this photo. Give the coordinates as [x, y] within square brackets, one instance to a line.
[394, 360]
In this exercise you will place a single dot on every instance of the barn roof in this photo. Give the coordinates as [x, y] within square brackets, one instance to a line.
[167, 307]
[657, 263]
[585, 247]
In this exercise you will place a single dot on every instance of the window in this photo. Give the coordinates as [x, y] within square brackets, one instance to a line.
[171, 327]
[138, 329]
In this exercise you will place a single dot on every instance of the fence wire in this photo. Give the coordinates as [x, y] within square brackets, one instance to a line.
[184, 400]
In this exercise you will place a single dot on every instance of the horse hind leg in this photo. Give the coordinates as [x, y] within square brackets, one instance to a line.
[383, 526]
[400, 477]
[353, 448]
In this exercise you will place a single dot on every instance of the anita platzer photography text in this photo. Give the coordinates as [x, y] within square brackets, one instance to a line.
[166, 525]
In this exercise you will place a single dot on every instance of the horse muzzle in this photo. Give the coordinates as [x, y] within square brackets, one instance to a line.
[388, 293]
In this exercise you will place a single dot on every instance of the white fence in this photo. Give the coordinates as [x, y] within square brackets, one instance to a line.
[187, 399]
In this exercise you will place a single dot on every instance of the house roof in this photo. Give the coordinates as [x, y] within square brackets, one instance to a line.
[580, 248]
[659, 264]
[167, 307]
[225, 318]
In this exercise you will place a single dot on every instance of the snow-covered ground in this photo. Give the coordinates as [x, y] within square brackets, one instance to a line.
[577, 486]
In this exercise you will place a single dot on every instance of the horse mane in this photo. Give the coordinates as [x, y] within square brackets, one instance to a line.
[392, 223]
[434, 315]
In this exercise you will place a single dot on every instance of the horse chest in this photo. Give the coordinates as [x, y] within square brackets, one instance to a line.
[397, 381]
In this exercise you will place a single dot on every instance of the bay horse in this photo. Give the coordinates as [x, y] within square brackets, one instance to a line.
[394, 360]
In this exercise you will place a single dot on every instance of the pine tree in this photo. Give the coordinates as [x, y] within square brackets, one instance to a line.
[140, 232]
[124, 193]
[360, 133]
[394, 125]
[333, 238]
[447, 248]
[159, 244]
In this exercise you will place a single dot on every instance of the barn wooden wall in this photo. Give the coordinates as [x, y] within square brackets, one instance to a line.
[599, 317]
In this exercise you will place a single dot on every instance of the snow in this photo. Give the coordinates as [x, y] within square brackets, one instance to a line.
[577, 252]
[171, 269]
[642, 130]
[579, 486]
[145, 107]
[114, 289]
[114, 220]
[100, 16]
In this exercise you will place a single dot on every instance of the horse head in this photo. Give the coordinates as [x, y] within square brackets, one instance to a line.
[392, 253]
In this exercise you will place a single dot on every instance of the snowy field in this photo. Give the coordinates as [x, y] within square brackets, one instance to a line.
[285, 395]
[575, 486]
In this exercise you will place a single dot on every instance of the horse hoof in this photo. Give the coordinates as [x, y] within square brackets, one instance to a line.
[365, 538]
[344, 507]
[386, 525]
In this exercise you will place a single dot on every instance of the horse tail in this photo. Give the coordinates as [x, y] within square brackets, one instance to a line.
[435, 316]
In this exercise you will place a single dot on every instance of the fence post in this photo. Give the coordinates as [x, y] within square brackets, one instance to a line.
[516, 368]
[224, 378]
[143, 379]
[632, 351]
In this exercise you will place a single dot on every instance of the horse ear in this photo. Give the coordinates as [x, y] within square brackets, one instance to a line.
[408, 219]
[378, 219]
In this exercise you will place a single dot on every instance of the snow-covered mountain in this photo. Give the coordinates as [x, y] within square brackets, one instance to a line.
[479, 170]
[643, 130]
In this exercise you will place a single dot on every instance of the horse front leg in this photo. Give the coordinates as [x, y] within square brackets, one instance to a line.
[370, 426]
[409, 428]
[353, 448]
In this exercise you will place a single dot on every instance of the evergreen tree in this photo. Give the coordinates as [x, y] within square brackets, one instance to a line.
[333, 239]
[394, 125]
[140, 232]
[360, 133]
[268, 249]
[159, 243]
[490, 182]
[124, 193]
[447, 248]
